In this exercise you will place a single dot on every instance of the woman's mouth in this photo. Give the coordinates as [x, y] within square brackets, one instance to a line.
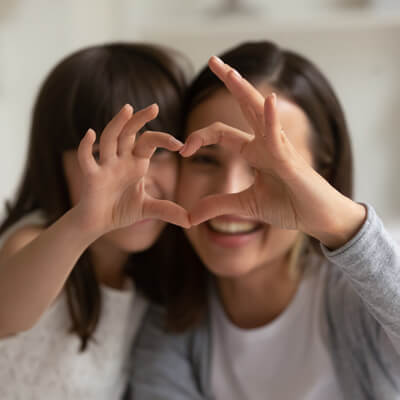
[229, 226]
[232, 231]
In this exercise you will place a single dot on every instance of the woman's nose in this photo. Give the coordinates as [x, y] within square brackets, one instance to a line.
[235, 179]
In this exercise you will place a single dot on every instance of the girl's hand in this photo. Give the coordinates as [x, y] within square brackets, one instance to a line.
[287, 192]
[113, 192]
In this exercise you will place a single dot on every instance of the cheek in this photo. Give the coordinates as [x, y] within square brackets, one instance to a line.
[164, 172]
[280, 241]
[191, 187]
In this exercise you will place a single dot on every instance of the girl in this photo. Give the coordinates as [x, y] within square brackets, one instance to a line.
[86, 202]
[272, 315]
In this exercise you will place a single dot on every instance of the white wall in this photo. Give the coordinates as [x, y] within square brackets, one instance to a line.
[357, 49]
[34, 35]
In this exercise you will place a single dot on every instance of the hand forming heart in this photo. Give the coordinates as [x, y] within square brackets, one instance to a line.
[114, 193]
[287, 191]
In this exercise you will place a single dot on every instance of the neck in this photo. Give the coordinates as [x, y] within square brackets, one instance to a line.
[260, 296]
[108, 263]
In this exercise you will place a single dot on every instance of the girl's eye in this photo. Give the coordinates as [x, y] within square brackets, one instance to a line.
[160, 150]
[162, 154]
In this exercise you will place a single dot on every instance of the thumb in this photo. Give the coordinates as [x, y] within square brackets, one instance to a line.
[167, 211]
[219, 204]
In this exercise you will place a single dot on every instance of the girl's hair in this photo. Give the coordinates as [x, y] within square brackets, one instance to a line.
[85, 90]
[300, 81]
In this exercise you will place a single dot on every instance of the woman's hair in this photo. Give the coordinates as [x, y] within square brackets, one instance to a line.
[85, 90]
[301, 82]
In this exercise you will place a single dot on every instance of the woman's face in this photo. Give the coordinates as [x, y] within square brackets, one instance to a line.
[231, 245]
[160, 183]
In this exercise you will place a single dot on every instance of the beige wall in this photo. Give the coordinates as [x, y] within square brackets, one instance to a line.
[357, 48]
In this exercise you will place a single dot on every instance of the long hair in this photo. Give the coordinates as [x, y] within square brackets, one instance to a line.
[300, 81]
[86, 89]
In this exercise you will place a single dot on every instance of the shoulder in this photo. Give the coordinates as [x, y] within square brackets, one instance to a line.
[21, 234]
[154, 331]
[157, 344]
[156, 349]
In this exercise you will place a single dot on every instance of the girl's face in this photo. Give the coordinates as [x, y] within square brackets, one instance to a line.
[160, 183]
[230, 245]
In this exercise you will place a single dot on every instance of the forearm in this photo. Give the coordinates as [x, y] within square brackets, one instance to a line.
[371, 262]
[32, 278]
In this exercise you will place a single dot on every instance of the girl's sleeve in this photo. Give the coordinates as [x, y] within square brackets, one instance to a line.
[371, 263]
[164, 365]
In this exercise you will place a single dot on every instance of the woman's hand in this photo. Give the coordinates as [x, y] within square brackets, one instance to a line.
[113, 192]
[287, 191]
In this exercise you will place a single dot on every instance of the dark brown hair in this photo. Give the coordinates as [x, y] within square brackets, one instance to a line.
[300, 81]
[85, 90]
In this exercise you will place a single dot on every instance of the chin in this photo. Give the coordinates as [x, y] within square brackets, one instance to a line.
[230, 272]
[137, 240]
[228, 267]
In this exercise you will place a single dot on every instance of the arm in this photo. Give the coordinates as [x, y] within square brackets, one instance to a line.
[371, 263]
[166, 366]
[34, 264]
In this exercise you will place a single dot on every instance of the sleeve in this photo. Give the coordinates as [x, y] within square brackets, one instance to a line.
[163, 364]
[370, 262]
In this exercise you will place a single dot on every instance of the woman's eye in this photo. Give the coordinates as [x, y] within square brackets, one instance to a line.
[204, 159]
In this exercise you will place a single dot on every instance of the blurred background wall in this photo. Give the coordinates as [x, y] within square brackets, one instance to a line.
[355, 42]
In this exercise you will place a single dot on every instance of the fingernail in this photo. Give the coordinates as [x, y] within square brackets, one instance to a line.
[236, 73]
[175, 141]
[274, 98]
[152, 106]
[218, 60]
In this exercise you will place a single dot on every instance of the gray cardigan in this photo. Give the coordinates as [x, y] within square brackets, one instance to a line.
[361, 329]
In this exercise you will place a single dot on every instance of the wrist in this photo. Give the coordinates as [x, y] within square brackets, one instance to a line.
[89, 228]
[344, 225]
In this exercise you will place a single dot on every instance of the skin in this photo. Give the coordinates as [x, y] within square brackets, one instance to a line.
[112, 199]
[246, 265]
[259, 169]
[124, 190]
[111, 250]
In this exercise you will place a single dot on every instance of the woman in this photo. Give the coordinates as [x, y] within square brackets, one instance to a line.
[300, 292]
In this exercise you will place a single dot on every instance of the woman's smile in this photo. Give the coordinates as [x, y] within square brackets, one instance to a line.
[231, 231]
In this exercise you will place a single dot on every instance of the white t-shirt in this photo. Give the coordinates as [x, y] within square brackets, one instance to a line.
[45, 362]
[283, 360]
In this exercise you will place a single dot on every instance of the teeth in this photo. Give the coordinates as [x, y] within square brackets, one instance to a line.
[233, 227]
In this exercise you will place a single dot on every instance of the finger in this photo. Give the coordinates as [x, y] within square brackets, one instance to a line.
[256, 121]
[138, 121]
[220, 68]
[217, 133]
[216, 205]
[239, 87]
[273, 129]
[108, 139]
[148, 142]
[167, 211]
[86, 160]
